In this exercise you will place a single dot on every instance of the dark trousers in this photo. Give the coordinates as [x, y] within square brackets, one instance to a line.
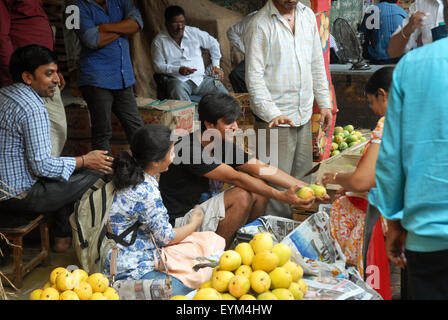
[101, 103]
[238, 78]
[53, 198]
[427, 275]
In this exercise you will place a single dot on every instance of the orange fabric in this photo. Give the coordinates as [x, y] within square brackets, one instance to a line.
[347, 227]
[180, 258]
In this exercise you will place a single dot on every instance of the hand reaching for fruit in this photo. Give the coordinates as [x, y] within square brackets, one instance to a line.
[292, 197]
[313, 190]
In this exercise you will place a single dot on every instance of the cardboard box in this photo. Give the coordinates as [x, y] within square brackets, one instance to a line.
[172, 113]
[175, 114]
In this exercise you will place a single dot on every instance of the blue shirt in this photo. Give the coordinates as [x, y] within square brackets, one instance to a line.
[109, 67]
[25, 147]
[391, 16]
[142, 203]
[412, 166]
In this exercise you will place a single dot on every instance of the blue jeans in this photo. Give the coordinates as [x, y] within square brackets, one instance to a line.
[178, 287]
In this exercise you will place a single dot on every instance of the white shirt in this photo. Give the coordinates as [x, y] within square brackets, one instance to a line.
[285, 71]
[333, 43]
[435, 10]
[168, 56]
[235, 32]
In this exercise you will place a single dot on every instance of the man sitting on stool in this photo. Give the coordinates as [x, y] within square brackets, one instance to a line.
[176, 53]
[32, 181]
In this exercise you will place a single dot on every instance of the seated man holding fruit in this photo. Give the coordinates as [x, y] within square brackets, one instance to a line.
[347, 215]
[210, 156]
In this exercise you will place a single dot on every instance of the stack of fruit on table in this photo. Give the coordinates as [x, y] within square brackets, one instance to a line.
[255, 270]
[344, 138]
[75, 285]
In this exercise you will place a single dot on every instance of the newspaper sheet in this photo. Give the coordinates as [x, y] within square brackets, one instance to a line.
[320, 255]
[315, 249]
[278, 227]
[317, 252]
[334, 289]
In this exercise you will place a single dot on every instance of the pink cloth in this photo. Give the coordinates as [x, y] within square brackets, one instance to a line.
[180, 258]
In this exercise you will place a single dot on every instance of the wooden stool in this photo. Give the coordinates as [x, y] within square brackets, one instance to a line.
[15, 236]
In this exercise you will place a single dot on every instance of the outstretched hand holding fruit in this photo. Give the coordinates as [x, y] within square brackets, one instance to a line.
[290, 196]
[320, 192]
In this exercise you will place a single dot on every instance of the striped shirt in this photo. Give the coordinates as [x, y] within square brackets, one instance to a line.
[25, 147]
[285, 71]
[235, 32]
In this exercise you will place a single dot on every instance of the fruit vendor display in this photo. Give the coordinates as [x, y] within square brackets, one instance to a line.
[254, 270]
[344, 138]
[75, 285]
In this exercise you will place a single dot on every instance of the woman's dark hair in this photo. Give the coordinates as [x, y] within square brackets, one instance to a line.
[28, 59]
[390, 1]
[213, 107]
[381, 78]
[173, 11]
[149, 143]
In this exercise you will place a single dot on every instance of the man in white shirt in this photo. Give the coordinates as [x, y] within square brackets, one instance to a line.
[176, 52]
[285, 72]
[235, 34]
[424, 15]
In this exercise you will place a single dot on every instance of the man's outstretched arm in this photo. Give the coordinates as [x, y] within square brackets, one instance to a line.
[227, 174]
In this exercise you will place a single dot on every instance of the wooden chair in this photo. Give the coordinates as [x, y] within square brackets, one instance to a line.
[15, 236]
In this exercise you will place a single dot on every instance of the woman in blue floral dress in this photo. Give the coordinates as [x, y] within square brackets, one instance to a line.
[138, 199]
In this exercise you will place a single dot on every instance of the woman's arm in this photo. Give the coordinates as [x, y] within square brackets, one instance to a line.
[362, 179]
[195, 221]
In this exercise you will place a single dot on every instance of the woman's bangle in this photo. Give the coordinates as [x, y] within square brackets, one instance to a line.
[82, 158]
[334, 176]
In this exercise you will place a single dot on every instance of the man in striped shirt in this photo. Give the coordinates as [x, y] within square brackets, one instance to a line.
[285, 72]
[32, 181]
